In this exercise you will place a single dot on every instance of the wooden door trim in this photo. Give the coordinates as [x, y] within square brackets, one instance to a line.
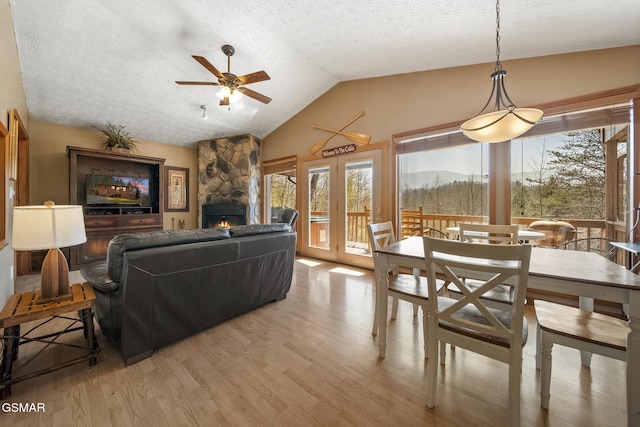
[22, 259]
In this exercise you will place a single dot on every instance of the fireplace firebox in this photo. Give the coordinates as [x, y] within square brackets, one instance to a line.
[223, 215]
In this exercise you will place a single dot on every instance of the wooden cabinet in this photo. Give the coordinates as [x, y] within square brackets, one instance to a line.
[103, 221]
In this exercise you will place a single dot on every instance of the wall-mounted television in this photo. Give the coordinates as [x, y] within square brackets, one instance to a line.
[108, 190]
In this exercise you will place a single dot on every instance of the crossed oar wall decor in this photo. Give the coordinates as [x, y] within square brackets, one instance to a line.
[358, 138]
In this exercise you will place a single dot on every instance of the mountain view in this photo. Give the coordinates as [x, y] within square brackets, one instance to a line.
[430, 178]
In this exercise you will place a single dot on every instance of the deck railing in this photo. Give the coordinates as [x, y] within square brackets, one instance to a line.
[584, 227]
[357, 225]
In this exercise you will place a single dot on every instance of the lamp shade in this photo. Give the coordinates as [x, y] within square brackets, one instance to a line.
[500, 126]
[47, 226]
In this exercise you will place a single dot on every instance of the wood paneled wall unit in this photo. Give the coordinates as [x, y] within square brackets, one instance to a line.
[103, 221]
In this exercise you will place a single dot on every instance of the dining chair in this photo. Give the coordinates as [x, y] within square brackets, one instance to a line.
[407, 287]
[469, 323]
[579, 329]
[501, 296]
[380, 235]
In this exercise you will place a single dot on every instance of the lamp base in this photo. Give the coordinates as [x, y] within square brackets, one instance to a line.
[54, 277]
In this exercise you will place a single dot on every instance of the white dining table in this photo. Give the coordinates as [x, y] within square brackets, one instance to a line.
[584, 274]
[523, 235]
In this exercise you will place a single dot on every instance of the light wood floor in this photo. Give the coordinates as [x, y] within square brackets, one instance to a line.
[310, 360]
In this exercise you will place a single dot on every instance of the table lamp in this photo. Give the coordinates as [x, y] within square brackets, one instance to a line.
[49, 227]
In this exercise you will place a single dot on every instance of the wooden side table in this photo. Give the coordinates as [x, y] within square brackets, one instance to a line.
[22, 308]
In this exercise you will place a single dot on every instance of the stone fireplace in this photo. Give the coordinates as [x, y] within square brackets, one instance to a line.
[229, 176]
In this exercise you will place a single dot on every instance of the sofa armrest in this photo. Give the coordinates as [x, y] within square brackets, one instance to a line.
[96, 275]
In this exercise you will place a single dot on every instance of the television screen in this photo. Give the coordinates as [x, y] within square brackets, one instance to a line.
[117, 190]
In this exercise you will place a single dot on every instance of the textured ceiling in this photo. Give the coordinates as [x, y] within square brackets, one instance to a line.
[86, 62]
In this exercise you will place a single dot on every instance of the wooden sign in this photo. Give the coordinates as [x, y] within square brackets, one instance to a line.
[345, 149]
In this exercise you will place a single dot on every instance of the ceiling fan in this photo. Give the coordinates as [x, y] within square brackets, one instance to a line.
[232, 85]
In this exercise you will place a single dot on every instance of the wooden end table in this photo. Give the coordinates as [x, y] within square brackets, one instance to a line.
[23, 308]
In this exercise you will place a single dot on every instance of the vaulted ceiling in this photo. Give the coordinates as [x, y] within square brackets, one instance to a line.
[89, 62]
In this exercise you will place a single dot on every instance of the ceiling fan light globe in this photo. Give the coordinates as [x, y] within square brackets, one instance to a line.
[224, 92]
[500, 126]
[232, 95]
[235, 96]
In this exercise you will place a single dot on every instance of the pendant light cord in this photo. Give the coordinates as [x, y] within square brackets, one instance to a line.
[506, 121]
[498, 64]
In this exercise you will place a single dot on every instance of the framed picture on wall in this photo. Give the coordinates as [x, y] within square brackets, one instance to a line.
[177, 195]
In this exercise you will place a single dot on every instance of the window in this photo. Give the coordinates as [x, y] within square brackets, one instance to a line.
[280, 188]
[577, 173]
[569, 166]
[564, 175]
[447, 181]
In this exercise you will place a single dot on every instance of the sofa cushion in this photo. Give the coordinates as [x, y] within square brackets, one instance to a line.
[252, 229]
[133, 241]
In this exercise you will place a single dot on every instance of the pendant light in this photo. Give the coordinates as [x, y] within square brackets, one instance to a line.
[506, 121]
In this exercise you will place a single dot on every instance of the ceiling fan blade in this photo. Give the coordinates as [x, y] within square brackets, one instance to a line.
[258, 76]
[206, 64]
[198, 83]
[255, 95]
[224, 101]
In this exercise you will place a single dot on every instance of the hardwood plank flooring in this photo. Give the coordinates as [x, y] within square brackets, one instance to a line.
[310, 360]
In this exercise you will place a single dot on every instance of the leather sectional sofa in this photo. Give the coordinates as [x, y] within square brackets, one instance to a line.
[157, 288]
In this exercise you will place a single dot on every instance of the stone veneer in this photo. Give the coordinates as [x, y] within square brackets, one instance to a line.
[229, 172]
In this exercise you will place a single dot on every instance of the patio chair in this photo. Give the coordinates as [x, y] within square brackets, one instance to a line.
[469, 323]
[579, 329]
[410, 219]
[430, 231]
[600, 245]
[556, 232]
